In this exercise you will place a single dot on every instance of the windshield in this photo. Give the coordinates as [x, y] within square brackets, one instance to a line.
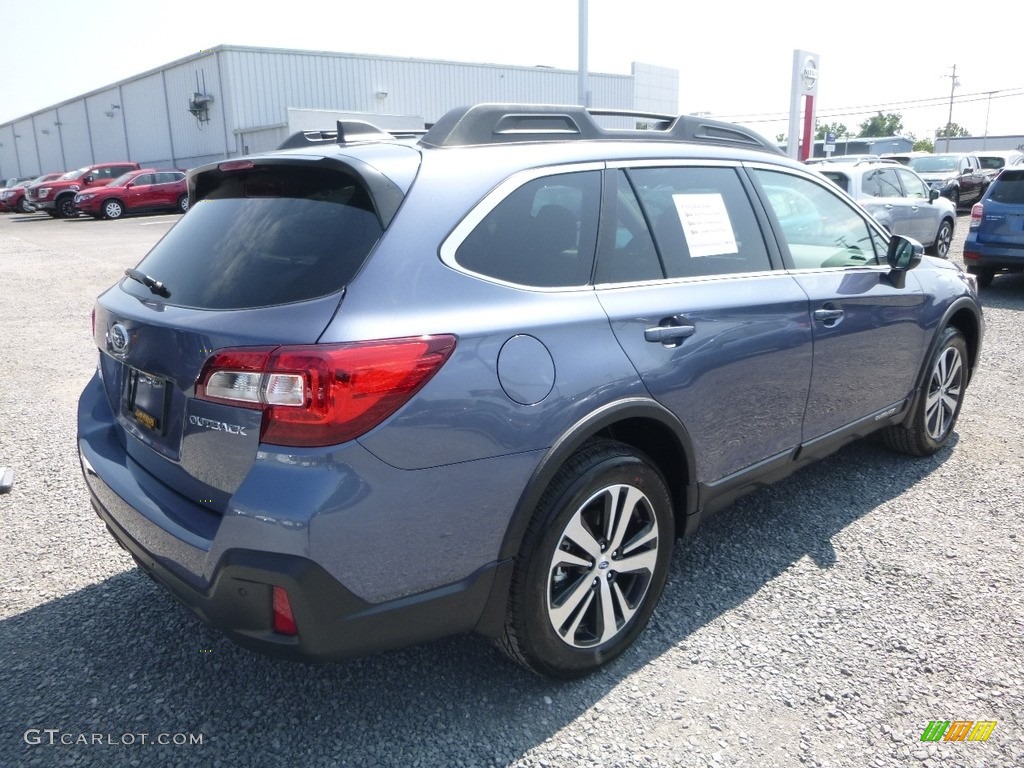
[123, 179]
[75, 175]
[934, 164]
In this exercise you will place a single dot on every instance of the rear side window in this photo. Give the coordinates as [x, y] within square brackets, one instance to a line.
[1008, 188]
[841, 180]
[542, 235]
[266, 236]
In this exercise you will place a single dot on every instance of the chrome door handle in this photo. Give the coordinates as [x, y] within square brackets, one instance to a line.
[829, 317]
[669, 334]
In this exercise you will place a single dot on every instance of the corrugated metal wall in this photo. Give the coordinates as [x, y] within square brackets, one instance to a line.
[146, 118]
[265, 83]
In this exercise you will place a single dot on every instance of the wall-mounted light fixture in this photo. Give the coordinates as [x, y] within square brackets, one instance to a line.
[45, 131]
[381, 94]
[115, 106]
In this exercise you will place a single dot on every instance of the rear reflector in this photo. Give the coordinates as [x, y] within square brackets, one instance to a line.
[284, 620]
[323, 394]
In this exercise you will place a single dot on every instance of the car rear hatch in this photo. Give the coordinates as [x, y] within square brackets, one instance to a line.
[1002, 222]
[261, 260]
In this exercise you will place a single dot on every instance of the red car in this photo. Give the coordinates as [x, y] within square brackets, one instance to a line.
[141, 191]
[13, 198]
[57, 198]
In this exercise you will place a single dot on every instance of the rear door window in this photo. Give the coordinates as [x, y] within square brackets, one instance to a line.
[702, 220]
[265, 236]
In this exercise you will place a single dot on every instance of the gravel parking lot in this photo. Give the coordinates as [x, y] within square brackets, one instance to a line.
[822, 622]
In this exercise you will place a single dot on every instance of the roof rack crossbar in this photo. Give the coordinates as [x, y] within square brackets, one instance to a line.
[506, 123]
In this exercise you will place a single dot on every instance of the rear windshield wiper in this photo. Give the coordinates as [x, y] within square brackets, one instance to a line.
[154, 285]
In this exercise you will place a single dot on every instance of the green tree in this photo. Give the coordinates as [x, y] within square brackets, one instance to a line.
[924, 145]
[838, 129]
[889, 124]
[951, 130]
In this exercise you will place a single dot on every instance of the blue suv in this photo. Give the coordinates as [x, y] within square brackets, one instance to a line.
[376, 389]
[995, 242]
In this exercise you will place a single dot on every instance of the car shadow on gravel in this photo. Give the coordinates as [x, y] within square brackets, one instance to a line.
[120, 658]
[1005, 292]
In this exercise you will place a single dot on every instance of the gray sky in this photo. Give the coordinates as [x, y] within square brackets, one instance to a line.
[734, 61]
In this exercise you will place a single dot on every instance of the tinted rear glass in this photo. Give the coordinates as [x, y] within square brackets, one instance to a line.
[265, 236]
[1009, 188]
[839, 179]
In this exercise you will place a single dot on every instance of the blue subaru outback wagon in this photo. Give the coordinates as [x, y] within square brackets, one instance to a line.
[375, 389]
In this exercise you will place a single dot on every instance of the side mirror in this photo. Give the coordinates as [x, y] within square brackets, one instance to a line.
[904, 253]
[89, 179]
[933, 195]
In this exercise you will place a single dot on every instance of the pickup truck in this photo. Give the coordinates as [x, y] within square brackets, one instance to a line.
[57, 197]
[957, 175]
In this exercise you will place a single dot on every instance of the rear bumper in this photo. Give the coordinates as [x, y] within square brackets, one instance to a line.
[224, 568]
[990, 256]
[332, 622]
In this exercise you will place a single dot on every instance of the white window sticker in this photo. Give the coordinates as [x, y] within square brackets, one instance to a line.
[706, 224]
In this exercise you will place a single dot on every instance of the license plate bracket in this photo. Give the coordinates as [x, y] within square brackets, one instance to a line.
[146, 399]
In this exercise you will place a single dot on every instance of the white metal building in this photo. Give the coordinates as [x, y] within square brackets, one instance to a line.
[234, 100]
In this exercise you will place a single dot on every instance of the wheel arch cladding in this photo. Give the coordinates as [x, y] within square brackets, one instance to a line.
[638, 422]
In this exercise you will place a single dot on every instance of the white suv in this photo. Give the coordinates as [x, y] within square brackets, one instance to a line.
[899, 199]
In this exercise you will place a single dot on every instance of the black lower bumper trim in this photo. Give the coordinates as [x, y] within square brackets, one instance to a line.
[333, 622]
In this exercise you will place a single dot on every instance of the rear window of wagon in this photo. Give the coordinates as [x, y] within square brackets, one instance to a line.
[265, 236]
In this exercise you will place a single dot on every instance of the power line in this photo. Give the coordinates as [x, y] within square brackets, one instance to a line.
[935, 101]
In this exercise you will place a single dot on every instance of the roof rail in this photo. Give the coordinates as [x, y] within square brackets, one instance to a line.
[348, 132]
[510, 123]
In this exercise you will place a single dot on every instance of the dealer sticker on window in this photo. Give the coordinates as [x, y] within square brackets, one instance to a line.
[706, 224]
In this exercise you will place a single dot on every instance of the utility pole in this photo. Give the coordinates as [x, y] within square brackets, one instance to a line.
[583, 96]
[952, 88]
[984, 142]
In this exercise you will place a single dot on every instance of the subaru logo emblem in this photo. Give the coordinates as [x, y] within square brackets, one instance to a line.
[117, 339]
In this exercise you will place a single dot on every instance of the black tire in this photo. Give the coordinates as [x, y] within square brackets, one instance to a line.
[64, 207]
[929, 425]
[955, 198]
[984, 276]
[22, 206]
[183, 204]
[607, 506]
[112, 208]
[943, 239]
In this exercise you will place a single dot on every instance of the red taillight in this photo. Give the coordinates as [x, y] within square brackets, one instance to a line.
[976, 212]
[323, 394]
[284, 619]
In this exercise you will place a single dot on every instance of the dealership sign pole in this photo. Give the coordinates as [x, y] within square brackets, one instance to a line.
[805, 88]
